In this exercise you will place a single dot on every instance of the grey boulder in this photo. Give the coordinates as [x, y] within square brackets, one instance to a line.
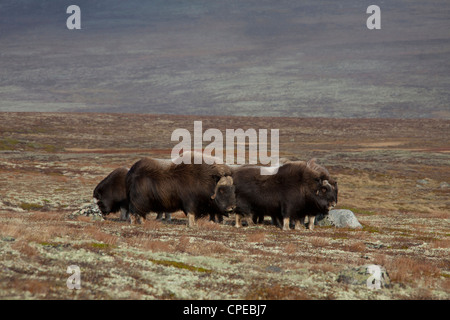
[340, 218]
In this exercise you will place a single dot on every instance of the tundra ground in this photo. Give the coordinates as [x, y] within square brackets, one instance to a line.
[393, 174]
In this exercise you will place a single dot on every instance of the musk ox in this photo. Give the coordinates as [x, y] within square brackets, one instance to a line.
[196, 189]
[111, 195]
[294, 191]
[328, 181]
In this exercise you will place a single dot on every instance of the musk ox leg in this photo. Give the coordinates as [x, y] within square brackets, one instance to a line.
[276, 221]
[135, 219]
[167, 216]
[251, 221]
[286, 224]
[298, 224]
[238, 220]
[306, 219]
[216, 218]
[124, 214]
[191, 219]
[311, 222]
[261, 220]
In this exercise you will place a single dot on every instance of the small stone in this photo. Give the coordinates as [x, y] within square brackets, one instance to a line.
[377, 245]
[97, 218]
[444, 185]
[9, 239]
[274, 269]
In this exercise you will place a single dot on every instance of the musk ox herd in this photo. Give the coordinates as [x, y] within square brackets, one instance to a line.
[295, 193]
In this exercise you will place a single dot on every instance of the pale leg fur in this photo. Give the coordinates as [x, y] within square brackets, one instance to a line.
[191, 219]
[311, 222]
[285, 223]
[134, 219]
[238, 220]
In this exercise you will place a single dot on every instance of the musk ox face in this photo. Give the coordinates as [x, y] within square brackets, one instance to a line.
[334, 186]
[110, 193]
[104, 207]
[224, 196]
[326, 195]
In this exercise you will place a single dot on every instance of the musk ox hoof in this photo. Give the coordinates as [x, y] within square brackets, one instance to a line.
[135, 219]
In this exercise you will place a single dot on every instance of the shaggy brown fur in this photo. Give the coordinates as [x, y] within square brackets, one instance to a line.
[110, 194]
[291, 193]
[169, 188]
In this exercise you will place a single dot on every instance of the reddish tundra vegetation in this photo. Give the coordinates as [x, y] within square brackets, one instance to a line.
[393, 174]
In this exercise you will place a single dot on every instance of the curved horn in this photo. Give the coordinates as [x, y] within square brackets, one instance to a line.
[224, 181]
[325, 183]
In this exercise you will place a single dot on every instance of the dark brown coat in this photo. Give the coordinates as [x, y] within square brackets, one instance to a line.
[191, 188]
[326, 179]
[291, 193]
[110, 194]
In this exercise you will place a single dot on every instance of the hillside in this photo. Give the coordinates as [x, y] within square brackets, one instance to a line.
[393, 174]
[241, 58]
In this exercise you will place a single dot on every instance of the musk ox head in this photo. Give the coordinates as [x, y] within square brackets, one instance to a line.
[110, 193]
[104, 201]
[224, 195]
[327, 187]
[326, 195]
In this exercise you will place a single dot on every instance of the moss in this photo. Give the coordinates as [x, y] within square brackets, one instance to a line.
[50, 244]
[31, 206]
[180, 265]
[42, 146]
[8, 144]
[13, 144]
[101, 245]
[370, 229]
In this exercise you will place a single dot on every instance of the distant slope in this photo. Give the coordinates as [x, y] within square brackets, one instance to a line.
[272, 58]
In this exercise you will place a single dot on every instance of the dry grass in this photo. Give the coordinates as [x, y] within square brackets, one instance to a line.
[25, 248]
[290, 248]
[275, 292]
[256, 237]
[405, 227]
[201, 247]
[440, 244]
[206, 224]
[405, 269]
[319, 241]
[356, 247]
[157, 246]
[152, 224]
[93, 232]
